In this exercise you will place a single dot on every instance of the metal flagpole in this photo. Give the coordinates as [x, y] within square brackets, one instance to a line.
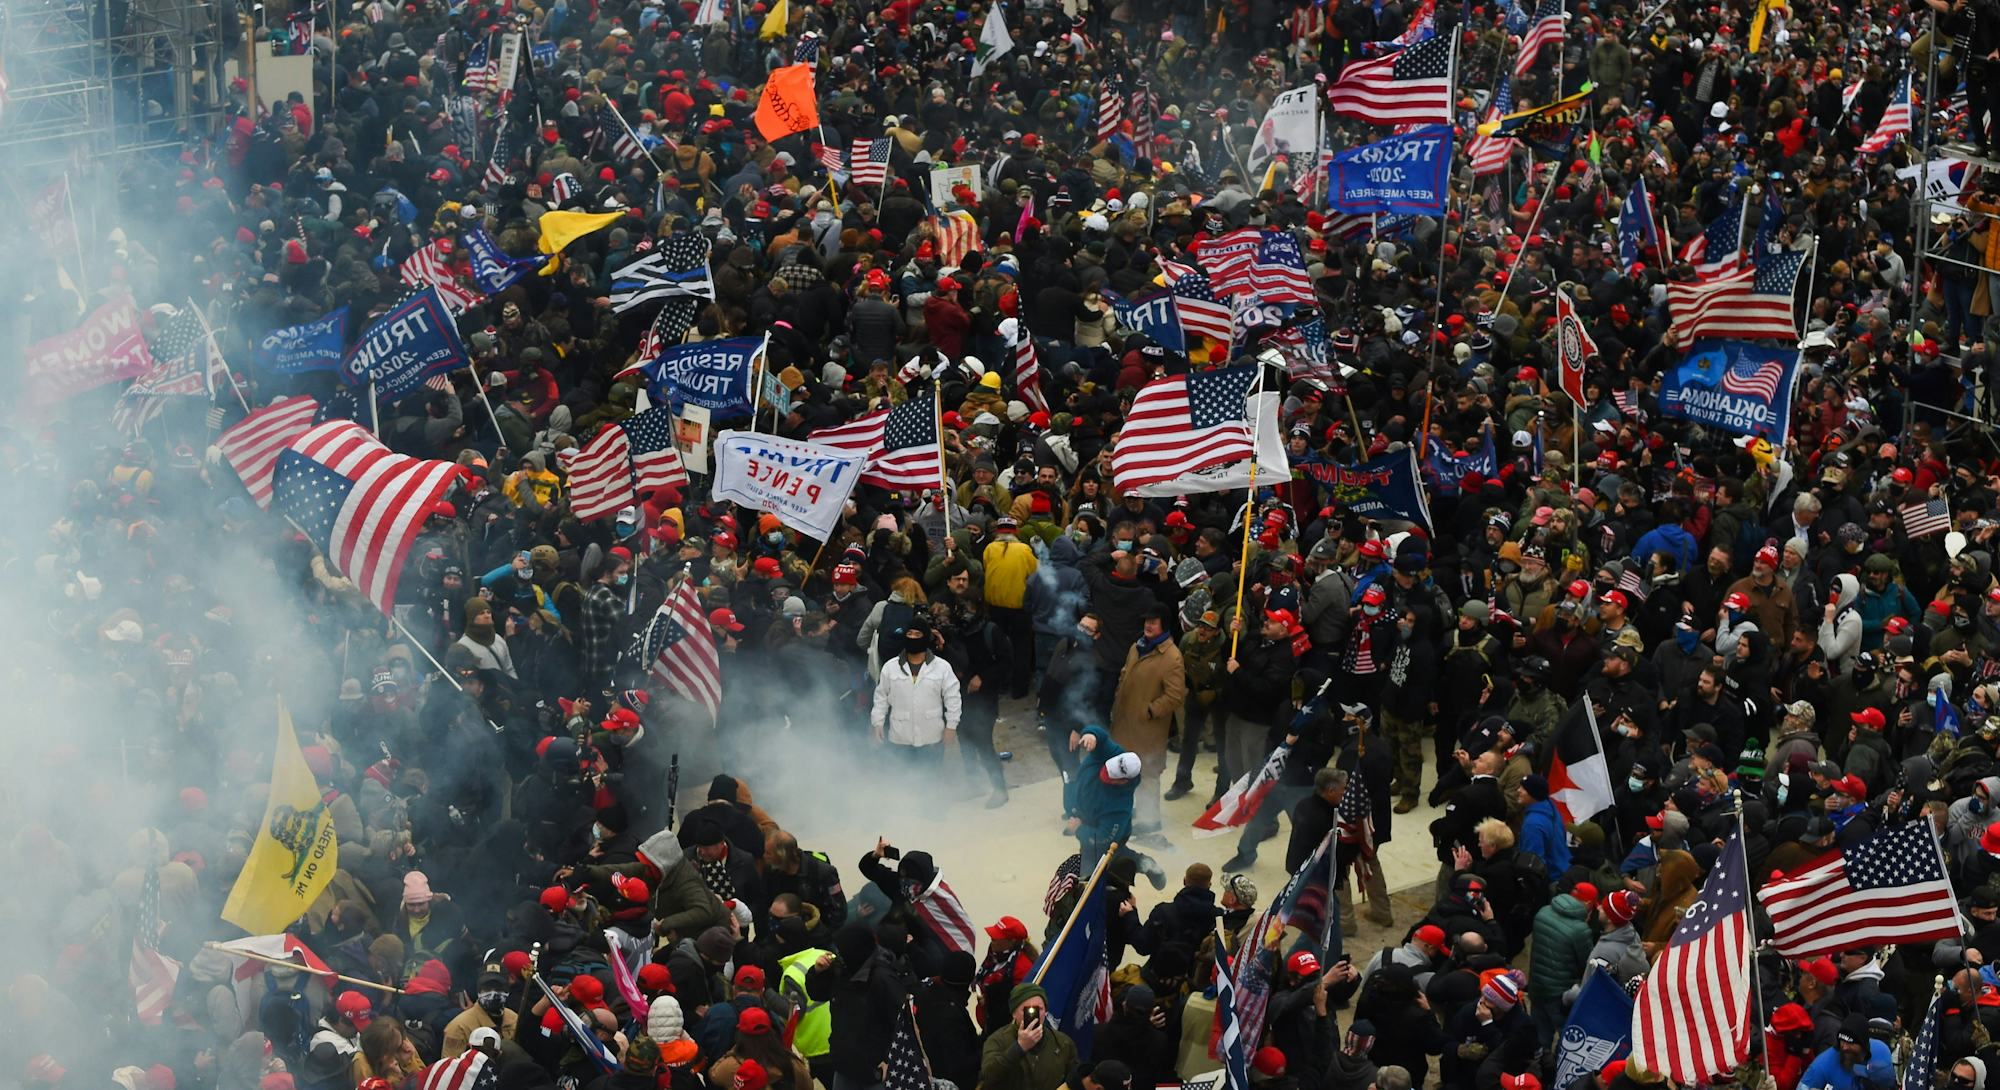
[374, 411]
[937, 422]
[480, 384]
[209, 332]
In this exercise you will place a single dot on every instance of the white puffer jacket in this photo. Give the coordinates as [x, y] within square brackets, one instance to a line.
[915, 710]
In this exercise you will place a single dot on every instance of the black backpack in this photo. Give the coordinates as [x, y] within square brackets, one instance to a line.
[1531, 888]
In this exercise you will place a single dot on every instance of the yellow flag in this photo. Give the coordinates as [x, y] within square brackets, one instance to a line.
[1757, 26]
[559, 229]
[774, 23]
[295, 853]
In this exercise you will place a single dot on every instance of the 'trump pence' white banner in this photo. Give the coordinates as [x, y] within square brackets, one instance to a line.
[806, 485]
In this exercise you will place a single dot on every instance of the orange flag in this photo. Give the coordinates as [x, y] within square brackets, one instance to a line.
[788, 105]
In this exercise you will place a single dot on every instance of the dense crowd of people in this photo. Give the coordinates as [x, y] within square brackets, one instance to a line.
[1753, 629]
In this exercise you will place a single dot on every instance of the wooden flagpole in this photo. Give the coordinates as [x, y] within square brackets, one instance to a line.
[1096, 876]
[1249, 509]
[354, 980]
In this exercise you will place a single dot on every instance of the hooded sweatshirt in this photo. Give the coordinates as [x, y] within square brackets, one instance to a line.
[1840, 637]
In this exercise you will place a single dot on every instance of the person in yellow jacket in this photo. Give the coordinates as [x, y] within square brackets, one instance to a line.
[1010, 563]
[812, 1037]
[533, 476]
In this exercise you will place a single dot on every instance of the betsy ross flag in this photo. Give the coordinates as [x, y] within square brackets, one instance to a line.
[1488, 152]
[1890, 888]
[1692, 1019]
[1579, 776]
[1546, 29]
[360, 503]
[901, 444]
[1182, 423]
[1719, 247]
[151, 973]
[868, 161]
[1201, 313]
[1408, 87]
[482, 70]
[1895, 122]
[252, 445]
[431, 267]
[1238, 804]
[623, 461]
[678, 648]
[1748, 303]
[1921, 1071]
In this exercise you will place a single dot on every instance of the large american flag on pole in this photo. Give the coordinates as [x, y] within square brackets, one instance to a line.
[359, 502]
[678, 648]
[252, 444]
[1183, 423]
[1890, 888]
[1194, 298]
[1547, 28]
[1719, 247]
[1747, 303]
[1408, 87]
[1895, 122]
[151, 973]
[1692, 1019]
[431, 267]
[901, 444]
[1488, 154]
[622, 461]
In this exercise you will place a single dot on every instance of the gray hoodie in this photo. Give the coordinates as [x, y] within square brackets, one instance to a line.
[1840, 638]
[1968, 817]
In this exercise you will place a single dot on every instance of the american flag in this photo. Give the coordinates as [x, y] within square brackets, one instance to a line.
[1410, 86]
[359, 502]
[503, 154]
[1068, 873]
[1895, 122]
[1028, 373]
[1140, 107]
[1748, 303]
[1546, 29]
[807, 51]
[1926, 518]
[868, 161]
[1719, 247]
[151, 973]
[1229, 1046]
[1691, 1021]
[626, 145]
[582, 1036]
[254, 443]
[1754, 377]
[431, 267]
[831, 160]
[1488, 154]
[1183, 423]
[469, 1070]
[623, 460]
[905, 1067]
[1633, 584]
[482, 69]
[1278, 272]
[1227, 258]
[1194, 297]
[957, 235]
[564, 186]
[1921, 1071]
[1110, 110]
[1890, 888]
[1357, 820]
[679, 645]
[901, 445]
[184, 365]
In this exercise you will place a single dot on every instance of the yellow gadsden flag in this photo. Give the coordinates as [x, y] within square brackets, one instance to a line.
[776, 23]
[295, 854]
[559, 229]
[788, 104]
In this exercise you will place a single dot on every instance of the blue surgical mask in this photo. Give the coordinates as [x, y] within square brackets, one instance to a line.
[1635, 784]
[625, 530]
[624, 578]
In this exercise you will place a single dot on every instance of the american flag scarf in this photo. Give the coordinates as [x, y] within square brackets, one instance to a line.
[942, 912]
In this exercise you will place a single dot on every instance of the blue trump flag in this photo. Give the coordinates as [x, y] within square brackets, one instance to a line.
[1637, 229]
[1738, 386]
[1948, 720]
[1155, 314]
[1405, 173]
[309, 346]
[416, 339]
[1384, 487]
[712, 374]
[1445, 470]
[495, 269]
[1073, 970]
[1599, 1029]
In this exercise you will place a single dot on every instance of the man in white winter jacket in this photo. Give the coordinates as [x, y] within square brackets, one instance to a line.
[916, 701]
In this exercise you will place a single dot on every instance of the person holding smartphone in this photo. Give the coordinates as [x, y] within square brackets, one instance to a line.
[1034, 1055]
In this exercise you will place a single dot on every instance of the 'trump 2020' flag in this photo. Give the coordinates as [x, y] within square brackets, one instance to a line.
[1599, 1030]
[295, 853]
[359, 502]
[310, 346]
[1405, 173]
[1890, 888]
[1183, 423]
[1737, 386]
[712, 374]
[1579, 776]
[1383, 487]
[416, 339]
[1692, 1019]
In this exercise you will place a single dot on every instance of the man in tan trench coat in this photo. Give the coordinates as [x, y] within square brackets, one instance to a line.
[1150, 690]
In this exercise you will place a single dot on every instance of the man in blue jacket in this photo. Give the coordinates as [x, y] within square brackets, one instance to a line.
[1100, 796]
[1542, 829]
[1856, 1061]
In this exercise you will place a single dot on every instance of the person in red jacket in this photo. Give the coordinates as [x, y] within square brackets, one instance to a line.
[1788, 1044]
[946, 318]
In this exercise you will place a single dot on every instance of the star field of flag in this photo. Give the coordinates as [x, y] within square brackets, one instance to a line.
[1883, 861]
[1777, 273]
[1216, 397]
[911, 424]
[309, 494]
[1424, 60]
[904, 1066]
[663, 633]
[1921, 1074]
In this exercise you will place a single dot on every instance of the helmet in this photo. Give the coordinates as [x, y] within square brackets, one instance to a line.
[1534, 666]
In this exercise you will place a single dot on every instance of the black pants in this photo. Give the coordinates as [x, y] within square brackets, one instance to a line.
[1198, 719]
[1020, 630]
[975, 737]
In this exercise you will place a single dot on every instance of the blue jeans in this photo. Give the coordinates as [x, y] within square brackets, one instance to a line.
[1957, 311]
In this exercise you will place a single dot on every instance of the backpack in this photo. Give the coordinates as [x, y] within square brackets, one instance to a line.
[1531, 886]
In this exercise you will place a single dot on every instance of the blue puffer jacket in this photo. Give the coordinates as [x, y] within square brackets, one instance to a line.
[1105, 808]
[1542, 833]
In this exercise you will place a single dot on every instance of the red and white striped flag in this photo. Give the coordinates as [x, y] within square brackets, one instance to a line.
[901, 445]
[252, 444]
[1028, 373]
[1749, 303]
[945, 915]
[1895, 122]
[1546, 29]
[1110, 110]
[431, 267]
[1183, 423]
[1239, 804]
[469, 1070]
[678, 647]
[868, 161]
[1488, 154]
[958, 235]
[361, 503]
[151, 973]
[1227, 258]
[1691, 1021]
[1408, 87]
[623, 460]
[831, 160]
[1925, 518]
[1889, 889]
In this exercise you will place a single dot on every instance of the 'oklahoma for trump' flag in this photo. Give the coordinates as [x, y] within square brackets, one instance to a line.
[295, 854]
